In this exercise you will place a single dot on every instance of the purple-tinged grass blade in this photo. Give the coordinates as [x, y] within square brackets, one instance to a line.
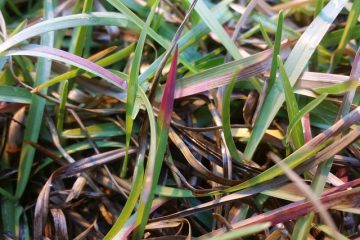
[166, 106]
[60, 55]
[293, 211]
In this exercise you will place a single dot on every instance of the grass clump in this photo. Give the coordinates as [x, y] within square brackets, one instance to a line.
[179, 119]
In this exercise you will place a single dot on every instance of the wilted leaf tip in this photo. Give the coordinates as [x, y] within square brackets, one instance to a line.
[166, 106]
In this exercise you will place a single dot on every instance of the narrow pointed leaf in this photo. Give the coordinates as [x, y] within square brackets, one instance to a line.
[297, 117]
[274, 63]
[291, 106]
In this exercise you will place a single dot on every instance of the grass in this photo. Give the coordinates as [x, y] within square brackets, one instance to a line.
[179, 119]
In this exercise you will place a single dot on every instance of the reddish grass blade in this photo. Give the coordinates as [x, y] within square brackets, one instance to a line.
[166, 106]
[251, 66]
[61, 55]
[294, 210]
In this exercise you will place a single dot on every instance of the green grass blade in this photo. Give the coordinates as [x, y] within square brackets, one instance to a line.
[15, 94]
[338, 88]
[163, 42]
[36, 110]
[102, 130]
[130, 202]
[14, 8]
[119, 225]
[225, 39]
[78, 39]
[132, 86]
[216, 27]
[297, 118]
[328, 231]
[242, 232]
[61, 111]
[76, 20]
[294, 66]
[226, 127]
[6, 194]
[291, 107]
[274, 62]
[319, 6]
[164, 191]
[265, 35]
[345, 38]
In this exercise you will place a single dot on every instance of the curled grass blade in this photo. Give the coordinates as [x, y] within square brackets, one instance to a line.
[226, 127]
[132, 86]
[59, 55]
[106, 61]
[123, 220]
[76, 20]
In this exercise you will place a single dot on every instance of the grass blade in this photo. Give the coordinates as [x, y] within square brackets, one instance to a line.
[302, 154]
[132, 86]
[297, 118]
[277, 44]
[226, 121]
[76, 20]
[106, 61]
[59, 55]
[216, 27]
[294, 66]
[291, 107]
[131, 16]
[242, 232]
[302, 226]
[36, 111]
[61, 111]
[345, 38]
